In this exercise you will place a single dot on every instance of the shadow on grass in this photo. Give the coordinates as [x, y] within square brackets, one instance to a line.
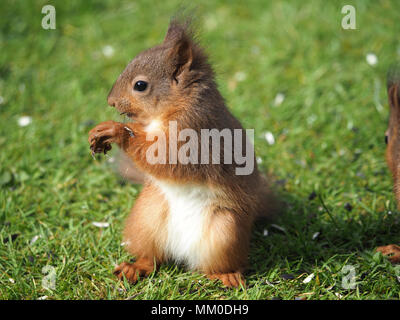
[309, 233]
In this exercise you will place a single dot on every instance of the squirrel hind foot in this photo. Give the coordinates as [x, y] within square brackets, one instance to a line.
[133, 271]
[392, 251]
[230, 280]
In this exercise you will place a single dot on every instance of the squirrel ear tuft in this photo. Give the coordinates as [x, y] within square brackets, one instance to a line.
[178, 29]
[180, 54]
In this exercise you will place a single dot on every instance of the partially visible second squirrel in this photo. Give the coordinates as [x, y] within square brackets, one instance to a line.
[392, 135]
[392, 139]
[196, 214]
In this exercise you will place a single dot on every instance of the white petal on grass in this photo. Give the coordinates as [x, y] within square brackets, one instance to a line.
[259, 160]
[265, 232]
[240, 76]
[279, 98]
[278, 227]
[309, 278]
[101, 224]
[350, 125]
[108, 51]
[34, 239]
[24, 121]
[315, 235]
[269, 137]
[43, 298]
[11, 280]
[372, 59]
[1, 100]
[269, 283]
[311, 119]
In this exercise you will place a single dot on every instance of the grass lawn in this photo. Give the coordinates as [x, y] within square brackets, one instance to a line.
[284, 67]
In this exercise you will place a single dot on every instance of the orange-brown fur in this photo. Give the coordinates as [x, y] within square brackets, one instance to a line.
[182, 88]
[393, 138]
[393, 149]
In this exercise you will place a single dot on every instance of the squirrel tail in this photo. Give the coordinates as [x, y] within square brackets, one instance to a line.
[271, 205]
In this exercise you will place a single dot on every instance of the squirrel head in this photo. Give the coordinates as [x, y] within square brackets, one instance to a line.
[392, 135]
[166, 76]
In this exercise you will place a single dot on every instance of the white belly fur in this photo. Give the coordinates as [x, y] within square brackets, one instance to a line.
[187, 214]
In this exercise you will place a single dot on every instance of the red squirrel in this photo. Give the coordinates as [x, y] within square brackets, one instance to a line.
[196, 214]
[392, 139]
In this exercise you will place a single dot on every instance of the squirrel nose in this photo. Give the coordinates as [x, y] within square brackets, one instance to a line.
[111, 101]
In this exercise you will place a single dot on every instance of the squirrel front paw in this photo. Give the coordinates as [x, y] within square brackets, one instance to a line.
[105, 133]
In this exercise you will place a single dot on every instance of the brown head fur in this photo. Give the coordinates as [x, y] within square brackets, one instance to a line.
[173, 70]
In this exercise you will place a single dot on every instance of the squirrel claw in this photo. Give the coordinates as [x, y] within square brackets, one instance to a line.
[93, 154]
[129, 131]
[99, 146]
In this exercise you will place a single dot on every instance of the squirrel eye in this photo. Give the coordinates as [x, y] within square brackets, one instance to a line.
[140, 85]
[386, 139]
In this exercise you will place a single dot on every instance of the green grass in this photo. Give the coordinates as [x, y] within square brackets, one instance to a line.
[329, 140]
